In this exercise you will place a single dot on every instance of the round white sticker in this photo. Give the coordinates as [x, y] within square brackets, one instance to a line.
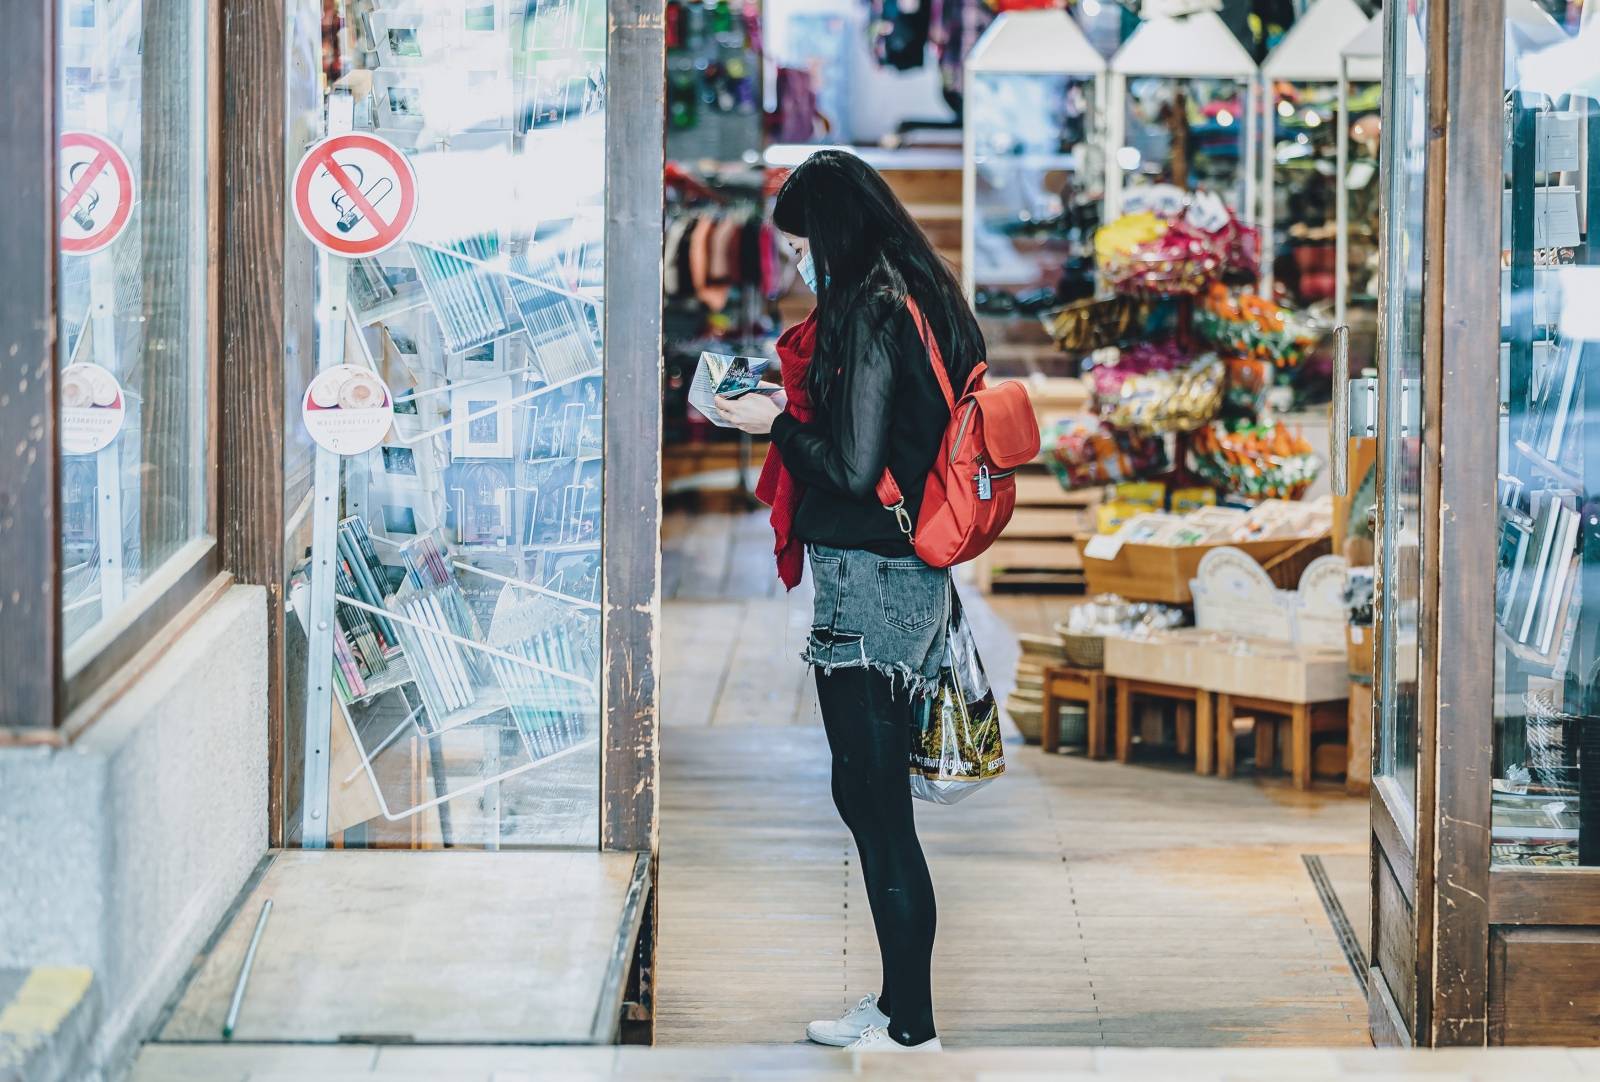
[92, 409]
[347, 409]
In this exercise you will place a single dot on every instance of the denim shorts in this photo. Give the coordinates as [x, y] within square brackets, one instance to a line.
[888, 613]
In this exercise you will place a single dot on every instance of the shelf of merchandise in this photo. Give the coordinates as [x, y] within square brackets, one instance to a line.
[1307, 59]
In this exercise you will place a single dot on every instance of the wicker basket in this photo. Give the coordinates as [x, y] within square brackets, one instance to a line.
[1287, 566]
[1083, 651]
[1027, 716]
[1074, 723]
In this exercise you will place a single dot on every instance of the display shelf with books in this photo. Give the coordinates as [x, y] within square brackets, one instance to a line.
[1546, 792]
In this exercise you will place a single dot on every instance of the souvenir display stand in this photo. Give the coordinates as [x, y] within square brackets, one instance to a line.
[1360, 61]
[1260, 651]
[1298, 79]
[1192, 55]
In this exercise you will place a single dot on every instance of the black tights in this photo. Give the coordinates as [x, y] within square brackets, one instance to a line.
[869, 732]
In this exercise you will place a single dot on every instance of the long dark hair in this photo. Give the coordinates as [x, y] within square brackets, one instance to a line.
[864, 243]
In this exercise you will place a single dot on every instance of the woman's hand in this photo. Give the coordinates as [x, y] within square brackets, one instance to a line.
[752, 413]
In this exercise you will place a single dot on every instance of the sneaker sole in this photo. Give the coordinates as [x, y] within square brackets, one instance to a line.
[829, 1042]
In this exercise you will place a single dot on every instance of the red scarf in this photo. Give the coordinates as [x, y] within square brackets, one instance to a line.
[777, 487]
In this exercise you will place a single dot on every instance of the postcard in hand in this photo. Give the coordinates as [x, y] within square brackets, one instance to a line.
[730, 377]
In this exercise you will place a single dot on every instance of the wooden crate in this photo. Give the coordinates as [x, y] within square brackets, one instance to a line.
[1040, 545]
[1162, 572]
[1189, 657]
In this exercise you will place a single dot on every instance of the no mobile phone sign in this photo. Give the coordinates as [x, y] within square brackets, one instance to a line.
[354, 194]
[96, 192]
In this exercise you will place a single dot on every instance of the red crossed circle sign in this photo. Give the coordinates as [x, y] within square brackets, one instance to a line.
[96, 185]
[354, 194]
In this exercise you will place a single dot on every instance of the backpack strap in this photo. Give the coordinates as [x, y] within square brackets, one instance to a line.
[935, 357]
[887, 489]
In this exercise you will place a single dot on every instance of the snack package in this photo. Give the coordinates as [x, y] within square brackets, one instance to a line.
[1255, 461]
[1170, 401]
[1162, 250]
[1083, 452]
[1148, 494]
[1246, 325]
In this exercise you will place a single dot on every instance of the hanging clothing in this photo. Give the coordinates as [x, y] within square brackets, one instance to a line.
[900, 33]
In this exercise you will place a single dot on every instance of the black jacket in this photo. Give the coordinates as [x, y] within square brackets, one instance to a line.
[885, 407]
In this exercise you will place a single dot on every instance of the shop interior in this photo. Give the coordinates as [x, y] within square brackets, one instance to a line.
[1177, 623]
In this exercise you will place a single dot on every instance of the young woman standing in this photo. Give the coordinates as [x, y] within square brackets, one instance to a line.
[861, 395]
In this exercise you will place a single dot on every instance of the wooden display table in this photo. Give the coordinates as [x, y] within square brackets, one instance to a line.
[1303, 719]
[1195, 730]
[1246, 675]
[1065, 684]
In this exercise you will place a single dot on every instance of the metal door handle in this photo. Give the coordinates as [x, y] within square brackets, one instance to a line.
[1340, 435]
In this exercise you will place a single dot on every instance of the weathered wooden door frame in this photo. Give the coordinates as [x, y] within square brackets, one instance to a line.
[1448, 840]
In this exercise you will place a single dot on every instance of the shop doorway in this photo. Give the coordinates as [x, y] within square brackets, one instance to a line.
[1081, 901]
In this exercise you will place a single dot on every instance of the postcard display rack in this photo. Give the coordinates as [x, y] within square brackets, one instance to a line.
[1307, 146]
[1546, 799]
[451, 595]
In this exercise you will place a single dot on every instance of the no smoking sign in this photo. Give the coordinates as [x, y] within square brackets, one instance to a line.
[96, 192]
[354, 194]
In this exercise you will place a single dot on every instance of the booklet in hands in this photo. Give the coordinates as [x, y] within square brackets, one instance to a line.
[718, 374]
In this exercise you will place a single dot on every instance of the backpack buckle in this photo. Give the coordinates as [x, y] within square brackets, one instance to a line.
[903, 517]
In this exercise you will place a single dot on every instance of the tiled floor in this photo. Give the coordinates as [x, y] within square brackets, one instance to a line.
[788, 1063]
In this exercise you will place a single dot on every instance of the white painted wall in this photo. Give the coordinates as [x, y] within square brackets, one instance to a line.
[123, 851]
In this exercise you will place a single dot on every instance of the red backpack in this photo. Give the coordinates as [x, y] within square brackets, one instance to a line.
[971, 490]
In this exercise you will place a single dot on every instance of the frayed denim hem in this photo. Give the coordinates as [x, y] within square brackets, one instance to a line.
[828, 650]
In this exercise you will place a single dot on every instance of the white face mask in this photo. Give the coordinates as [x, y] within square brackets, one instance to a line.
[808, 271]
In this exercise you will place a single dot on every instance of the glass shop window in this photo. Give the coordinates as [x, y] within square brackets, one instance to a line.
[133, 307]
[1546, 779]
[443, 467]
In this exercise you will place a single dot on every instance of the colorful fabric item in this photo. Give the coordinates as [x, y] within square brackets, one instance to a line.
[777, 487]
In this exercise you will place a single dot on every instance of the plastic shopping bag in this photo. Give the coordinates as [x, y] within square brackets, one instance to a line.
[955, 739]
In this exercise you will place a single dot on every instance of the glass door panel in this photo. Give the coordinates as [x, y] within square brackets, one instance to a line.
[1400, 499]
[1546, 784]
[444, 584]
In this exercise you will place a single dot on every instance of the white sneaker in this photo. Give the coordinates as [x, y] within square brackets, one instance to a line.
[850, 1025]
[877, 1039]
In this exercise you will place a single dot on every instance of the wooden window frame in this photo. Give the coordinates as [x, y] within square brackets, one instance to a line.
[39, 694]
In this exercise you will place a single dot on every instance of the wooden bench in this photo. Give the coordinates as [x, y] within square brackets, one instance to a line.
[1063, 684]
[1195, 726]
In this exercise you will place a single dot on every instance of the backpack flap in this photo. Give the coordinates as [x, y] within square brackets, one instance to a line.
[1010, 428]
